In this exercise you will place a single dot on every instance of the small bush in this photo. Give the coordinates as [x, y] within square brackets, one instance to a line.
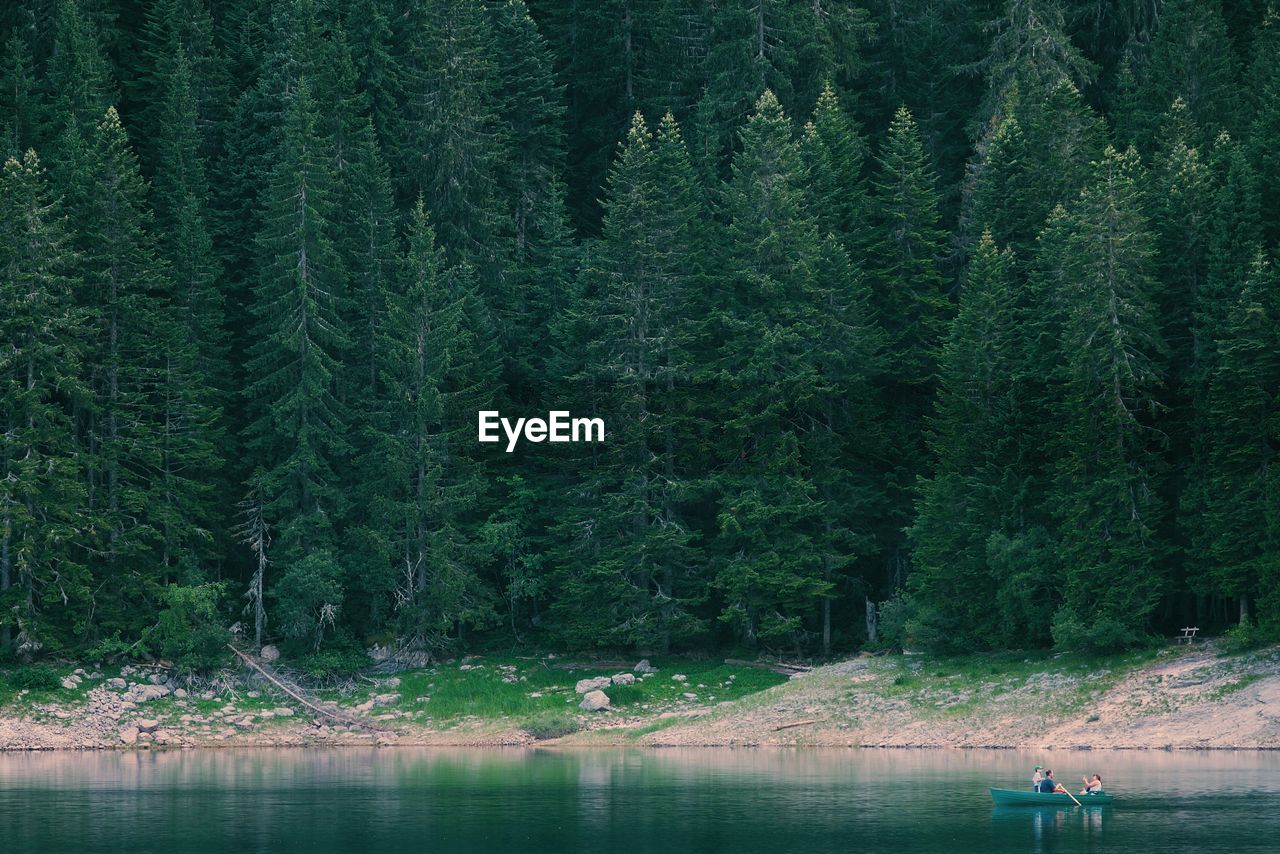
[190, 631]
[33, 679]
[1104, 634]
[113, 649]
[330, 664]
[1244, 637]
[552, 725]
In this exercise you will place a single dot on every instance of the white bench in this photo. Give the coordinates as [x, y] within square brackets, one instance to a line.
[1188, 634]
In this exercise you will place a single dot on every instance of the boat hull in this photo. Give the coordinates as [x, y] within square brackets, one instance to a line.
[1019, 798]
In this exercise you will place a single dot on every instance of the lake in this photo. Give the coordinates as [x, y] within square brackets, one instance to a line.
[428, 801]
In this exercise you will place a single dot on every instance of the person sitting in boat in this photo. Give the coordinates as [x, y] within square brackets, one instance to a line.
[1092, 787]
[1050, 786]
[1036, 777]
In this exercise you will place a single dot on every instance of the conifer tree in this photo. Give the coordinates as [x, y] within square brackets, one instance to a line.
[297, 430]
[1264, 129]
[977, 488]
[770, 573]
[910, 301]
[629, 546]
[44, 582]
[1239, 530]
[1107, 489]
[181, 199]
[1192, 59]
[435, 366]
[79, 83]
[21, 104]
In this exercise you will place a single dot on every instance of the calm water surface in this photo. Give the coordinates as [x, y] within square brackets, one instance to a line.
[430, 801]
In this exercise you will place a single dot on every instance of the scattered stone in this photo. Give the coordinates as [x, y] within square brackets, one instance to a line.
[386, 699]
[623, 679]
[129, 735]
[393, 682]
[68, 683]
[585, 686]
[117, 683]
[283, 712]
[148, 724]
[246, 721]
[157, 679]
[266, 716]
[679, 677]
[180, 693]
[269, 653]
[643, 666]
[254, 694]
[365, 706]
[62, 714]
[533, 695]
[689, 695]
[144, 738]
[595, 701]
[145, 693]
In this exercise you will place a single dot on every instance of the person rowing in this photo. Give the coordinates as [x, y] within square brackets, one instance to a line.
[1050, 786]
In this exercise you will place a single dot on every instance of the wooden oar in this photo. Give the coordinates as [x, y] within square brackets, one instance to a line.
[1072, 797]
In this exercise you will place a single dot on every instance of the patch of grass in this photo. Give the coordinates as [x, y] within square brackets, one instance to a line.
[1232, 687]
[503, 688]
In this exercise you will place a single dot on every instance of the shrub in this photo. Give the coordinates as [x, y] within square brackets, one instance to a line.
[33, 679]
[552, 725]
[1102, 634]
[1245, 636]
[190, 631]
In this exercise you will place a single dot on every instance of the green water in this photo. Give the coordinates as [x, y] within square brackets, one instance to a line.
[613, 801]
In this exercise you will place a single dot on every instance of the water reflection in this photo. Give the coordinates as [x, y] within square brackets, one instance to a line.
[1050, 829]
[446, 800]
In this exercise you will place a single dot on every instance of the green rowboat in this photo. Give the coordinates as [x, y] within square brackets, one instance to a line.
[1020, 798]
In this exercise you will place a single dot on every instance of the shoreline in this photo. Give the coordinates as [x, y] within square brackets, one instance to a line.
[1177, 699]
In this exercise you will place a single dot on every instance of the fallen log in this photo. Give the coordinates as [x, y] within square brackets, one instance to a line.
[776, 667]
[797, 723]
[296, 695]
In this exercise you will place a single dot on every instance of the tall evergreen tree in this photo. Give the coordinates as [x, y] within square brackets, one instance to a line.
[1239, 531]
[629, 545]
[910, 301]
[1107, 491]
[44, 582]
[298, 426]
[977, 491]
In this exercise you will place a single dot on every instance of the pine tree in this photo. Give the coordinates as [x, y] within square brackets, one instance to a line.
[79, 84]
[44, 583]
[21, 104]
[628, 545]
[434, 368]
[181, 198]
[836, 155]
[1108, 478]
[1239, 530]
[910, 301]
[770, 573]
[1192, 59]
[297, 430]
[531, 186]
[1264, 86]
[448, 139]
[977, 490]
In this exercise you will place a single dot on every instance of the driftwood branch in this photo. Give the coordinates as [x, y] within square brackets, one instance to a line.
[297, 695]
[784, 669]
[797, 723]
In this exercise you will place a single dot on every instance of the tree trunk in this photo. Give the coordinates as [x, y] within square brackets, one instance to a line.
[873, 627]
[1244, 608]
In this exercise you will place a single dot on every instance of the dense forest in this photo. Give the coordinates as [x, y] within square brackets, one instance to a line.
[953, 323]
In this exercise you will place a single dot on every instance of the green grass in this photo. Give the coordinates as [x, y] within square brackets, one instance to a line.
[1232, 687]
[449, 693]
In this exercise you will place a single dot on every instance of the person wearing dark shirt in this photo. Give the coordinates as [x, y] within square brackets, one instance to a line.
[1049, 785]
